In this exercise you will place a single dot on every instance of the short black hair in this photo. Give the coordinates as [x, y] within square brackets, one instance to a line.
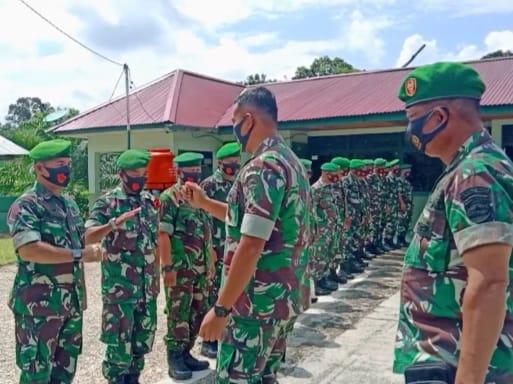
[261, 98]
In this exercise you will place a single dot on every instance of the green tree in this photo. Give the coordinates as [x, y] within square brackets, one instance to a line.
[257, 78]
[25, 108]
[324, 66]
[499, 53]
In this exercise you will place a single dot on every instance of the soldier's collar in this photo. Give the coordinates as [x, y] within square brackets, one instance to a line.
[475, 140]
[43, 191]
[268, 142]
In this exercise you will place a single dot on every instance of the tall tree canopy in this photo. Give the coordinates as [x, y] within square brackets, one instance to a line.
[324, 66]
[25, 108]
[499, 53]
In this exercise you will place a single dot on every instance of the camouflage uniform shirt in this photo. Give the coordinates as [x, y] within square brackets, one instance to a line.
[471, 206]
[269, 200]
[217, 187]
[46, 289]
[129, 272]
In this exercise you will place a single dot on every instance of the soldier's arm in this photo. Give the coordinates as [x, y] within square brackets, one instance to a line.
[168, 210]
[479, 213]
[97, 225]
[24, 225]
[264, 190]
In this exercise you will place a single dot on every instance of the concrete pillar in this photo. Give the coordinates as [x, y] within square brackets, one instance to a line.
[497, 132]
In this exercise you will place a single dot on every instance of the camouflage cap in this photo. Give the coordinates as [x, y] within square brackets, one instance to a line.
[330, 167]
[342, 162]
[380, 162]
[51, 149]
[441, 80]
[228, 150]
[133, 158]
[188, 159]
[306, 163]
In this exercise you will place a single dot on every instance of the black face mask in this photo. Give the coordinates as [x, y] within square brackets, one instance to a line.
[194, 177]
[237, 132]
[230, 169]
[135, 184]
[414, 133]
[59, 175]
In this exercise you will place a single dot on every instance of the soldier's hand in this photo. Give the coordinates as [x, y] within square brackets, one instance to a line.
[194, 194]
[169, 278]
[127, 215]
[92, 253]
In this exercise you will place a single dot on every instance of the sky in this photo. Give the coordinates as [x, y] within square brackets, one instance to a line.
[228, 39]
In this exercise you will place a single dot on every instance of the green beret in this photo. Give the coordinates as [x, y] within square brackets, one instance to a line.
[393, 163]
[405, 166]
[380, 162]
[51, 149]
[368, 162]
[228, 150]
[342, 162]
[188, 159]
[306, 163]
[356, 163]
[441, 81]
[329, 167]
[133, 158]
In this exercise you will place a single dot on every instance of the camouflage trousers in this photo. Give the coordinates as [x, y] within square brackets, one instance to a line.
[251, 350]
[128, 330]
[391, 224]
[186, 305]
[355, 236]
[403, 221]
[47, 348]
[320, 256]
[215, 283]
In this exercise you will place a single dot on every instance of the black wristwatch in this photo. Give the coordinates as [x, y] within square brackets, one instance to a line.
[221, 311]
[76, 254]
[167, 268]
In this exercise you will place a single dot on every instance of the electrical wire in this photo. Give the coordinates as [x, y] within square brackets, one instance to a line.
[132, 85]
[69, 36]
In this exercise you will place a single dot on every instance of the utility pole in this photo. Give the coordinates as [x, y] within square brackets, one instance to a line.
[127, 91]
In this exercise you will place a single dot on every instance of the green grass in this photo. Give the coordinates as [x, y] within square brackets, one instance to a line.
[7, 255]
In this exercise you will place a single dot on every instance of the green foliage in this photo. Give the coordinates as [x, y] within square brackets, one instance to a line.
[25, 108]
[108, 172]
[257, 78]
[7, 254]
[324, 66]
[499, 53]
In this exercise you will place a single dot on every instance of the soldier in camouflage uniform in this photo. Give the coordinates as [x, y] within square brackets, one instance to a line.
[353, 218]
[379, 169]
[267, 224]
[456, 307]
[48, 295]
[392, 181]
[405, 204]
[326, 213]
[126, 220]
[217, 187]
[341, 276]
[185, 245]
[375, 207]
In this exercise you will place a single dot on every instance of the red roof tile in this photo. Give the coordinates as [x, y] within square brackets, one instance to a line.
[370, 92]
[189, 99]
[180, 97]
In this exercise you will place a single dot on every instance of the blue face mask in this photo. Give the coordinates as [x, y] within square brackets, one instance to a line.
[414, 133]
[237, 132]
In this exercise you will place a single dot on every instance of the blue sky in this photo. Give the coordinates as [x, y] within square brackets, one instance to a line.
[229, 39]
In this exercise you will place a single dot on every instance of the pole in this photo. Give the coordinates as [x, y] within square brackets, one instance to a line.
[414, 56]
[127, 91]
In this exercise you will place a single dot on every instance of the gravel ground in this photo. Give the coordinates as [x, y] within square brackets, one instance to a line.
[327, 319]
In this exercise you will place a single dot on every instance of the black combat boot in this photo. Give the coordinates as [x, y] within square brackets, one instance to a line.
[330, 284]
[209, 349]
[194, 364]
[177, 368]
[343, 274]
[320, 290]
[353, 266]
[335, 277]
[132, 378]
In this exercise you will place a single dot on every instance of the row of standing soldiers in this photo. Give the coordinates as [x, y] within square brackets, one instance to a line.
[361, 208]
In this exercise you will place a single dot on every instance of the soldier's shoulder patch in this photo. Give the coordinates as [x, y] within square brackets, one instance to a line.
[478, 204]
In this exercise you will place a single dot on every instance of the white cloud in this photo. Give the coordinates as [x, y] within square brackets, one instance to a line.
[493, 41]
[76, 78]
[461, 8]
